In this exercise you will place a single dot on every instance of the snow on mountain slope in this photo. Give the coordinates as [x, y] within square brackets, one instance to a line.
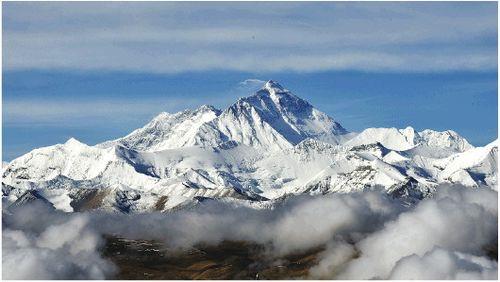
[73, 159]
[184, 172]
[446, 139]
[394, 157]
[392, 138]
[262, 147]
[359, 168]
[427, 142]
[272, 118]
[474, 165]
[167, 131]
[276, 117]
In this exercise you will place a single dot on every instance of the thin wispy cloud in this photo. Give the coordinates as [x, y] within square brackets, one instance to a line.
[252, 82]
[62, 113]
[269, 37]
[104, 66]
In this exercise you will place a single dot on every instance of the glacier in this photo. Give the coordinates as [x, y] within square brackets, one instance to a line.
[260, 150]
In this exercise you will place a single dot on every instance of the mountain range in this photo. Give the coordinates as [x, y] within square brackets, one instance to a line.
[261, 149]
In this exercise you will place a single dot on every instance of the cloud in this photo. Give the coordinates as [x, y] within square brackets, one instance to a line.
[67, 250]
[29, 112]
[301, 223]
[252, 82]
[24, 111]
[366, 235]
[248, 86]
[442, 264]
[304, 37]
[461, 219]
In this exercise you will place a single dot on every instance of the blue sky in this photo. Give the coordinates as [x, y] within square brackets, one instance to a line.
[96, 71]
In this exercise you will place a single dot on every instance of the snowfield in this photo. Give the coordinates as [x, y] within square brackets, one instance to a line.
[259, 150]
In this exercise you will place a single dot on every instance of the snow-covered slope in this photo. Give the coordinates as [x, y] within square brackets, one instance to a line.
[405, 139]
[167, 131]
[391, 138]
[261, 148]
[448, 139]
[474, 166]
[272, 118]
[276, 118]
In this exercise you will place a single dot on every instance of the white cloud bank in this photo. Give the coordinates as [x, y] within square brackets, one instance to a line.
[67, 250]
[256, 37]
[444, 264]
[367, 235]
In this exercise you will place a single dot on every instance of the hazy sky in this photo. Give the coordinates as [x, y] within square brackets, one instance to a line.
[96, 71]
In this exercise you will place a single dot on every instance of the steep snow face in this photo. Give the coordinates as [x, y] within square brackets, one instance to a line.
[428, 141]
[263, 147]
[391, 138]
[167, 131]
[476, 165]
[275, 118]
[445, 139]
[293, 117]
[72, 159]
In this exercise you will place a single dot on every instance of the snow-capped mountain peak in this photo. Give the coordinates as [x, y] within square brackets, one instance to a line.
[166, 131]
[273, 86]
[72, 142]
[447, 138]
[426, 141]
[410, 134]
[274, 117]
[277, 93]
[263, 146]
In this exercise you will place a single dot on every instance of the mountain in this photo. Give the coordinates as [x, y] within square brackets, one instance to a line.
[260, 149]
[446, 142]
[272, 118]
[276, 118]
[169, 131]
